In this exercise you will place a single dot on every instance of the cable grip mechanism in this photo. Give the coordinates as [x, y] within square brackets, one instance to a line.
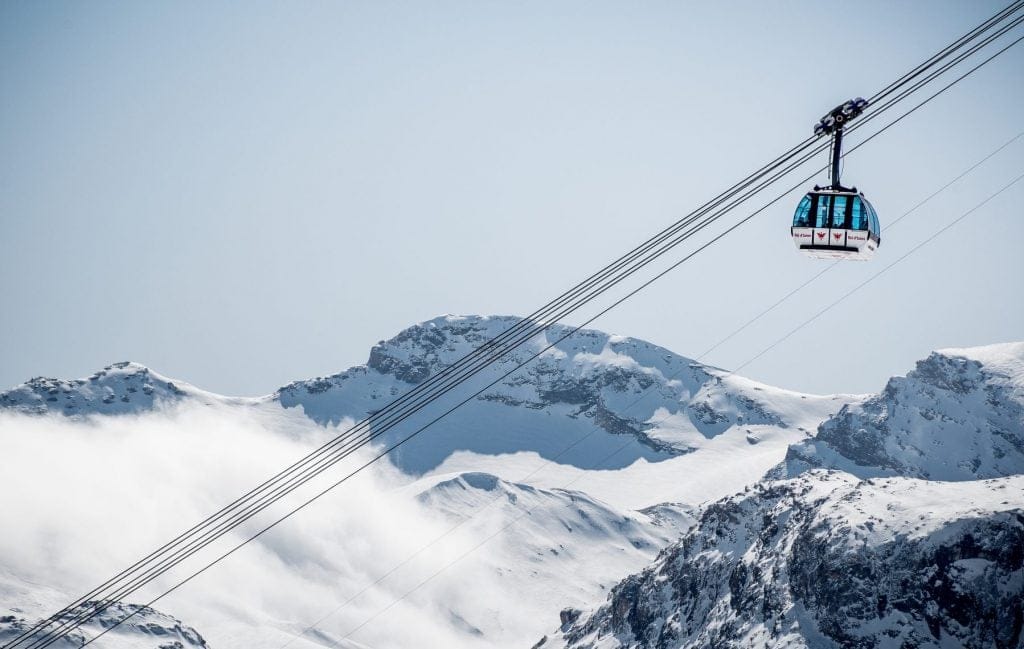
[832, 124]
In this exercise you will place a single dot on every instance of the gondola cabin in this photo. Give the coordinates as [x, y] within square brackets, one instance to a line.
[836, 224]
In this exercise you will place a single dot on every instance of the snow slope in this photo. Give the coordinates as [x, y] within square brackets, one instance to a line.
[524, 551]
[727, 464]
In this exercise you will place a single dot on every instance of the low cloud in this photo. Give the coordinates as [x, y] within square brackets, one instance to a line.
[83, 499]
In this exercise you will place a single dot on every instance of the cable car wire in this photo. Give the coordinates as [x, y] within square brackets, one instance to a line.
[69, 622]
[1010, 9]
[568, 484]
[268, 500]
[234, 506]
[152, 572]
[815, 277]
[550, 461]
[876, 275]
[550, 346]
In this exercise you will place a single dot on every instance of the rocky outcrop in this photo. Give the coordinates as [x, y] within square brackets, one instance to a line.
[958, 416]
[143, 628]
[622, 386]
[121, 388]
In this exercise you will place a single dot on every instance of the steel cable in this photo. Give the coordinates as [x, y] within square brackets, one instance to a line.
[483, 356]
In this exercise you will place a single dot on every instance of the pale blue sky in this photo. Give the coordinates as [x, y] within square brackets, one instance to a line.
[241, 198]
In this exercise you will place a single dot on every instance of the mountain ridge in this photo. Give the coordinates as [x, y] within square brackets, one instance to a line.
[596, 385]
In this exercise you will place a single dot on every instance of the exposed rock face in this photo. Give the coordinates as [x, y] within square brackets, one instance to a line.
[120, 388]
[825, 560]
[585, 372]
[147, 628]
[958, 416]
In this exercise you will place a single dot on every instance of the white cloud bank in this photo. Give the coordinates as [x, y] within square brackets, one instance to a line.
[83, 499]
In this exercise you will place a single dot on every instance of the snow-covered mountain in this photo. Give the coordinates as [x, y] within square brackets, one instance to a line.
[828, 560]
[561, 480]
[592, 384]
[958, 416]
[120, 388]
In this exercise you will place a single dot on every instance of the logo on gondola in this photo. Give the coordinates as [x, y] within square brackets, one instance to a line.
[837, 235]
[821, 235]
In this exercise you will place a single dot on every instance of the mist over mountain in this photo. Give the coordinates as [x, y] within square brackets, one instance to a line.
[701, 508]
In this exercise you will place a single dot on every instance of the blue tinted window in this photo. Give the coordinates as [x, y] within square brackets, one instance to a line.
[859, 216]
[802, 216]
[839, 212]
[874, 219]
[821, 220]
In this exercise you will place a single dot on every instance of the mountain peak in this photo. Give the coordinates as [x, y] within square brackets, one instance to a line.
[959, 415]
[419, 351]
[119, 388]
[961, 368]
[590, 382]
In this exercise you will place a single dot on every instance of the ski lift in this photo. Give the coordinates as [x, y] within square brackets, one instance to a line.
[836, 222]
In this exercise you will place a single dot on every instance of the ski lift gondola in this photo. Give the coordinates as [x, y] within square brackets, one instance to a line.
[836, 222]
